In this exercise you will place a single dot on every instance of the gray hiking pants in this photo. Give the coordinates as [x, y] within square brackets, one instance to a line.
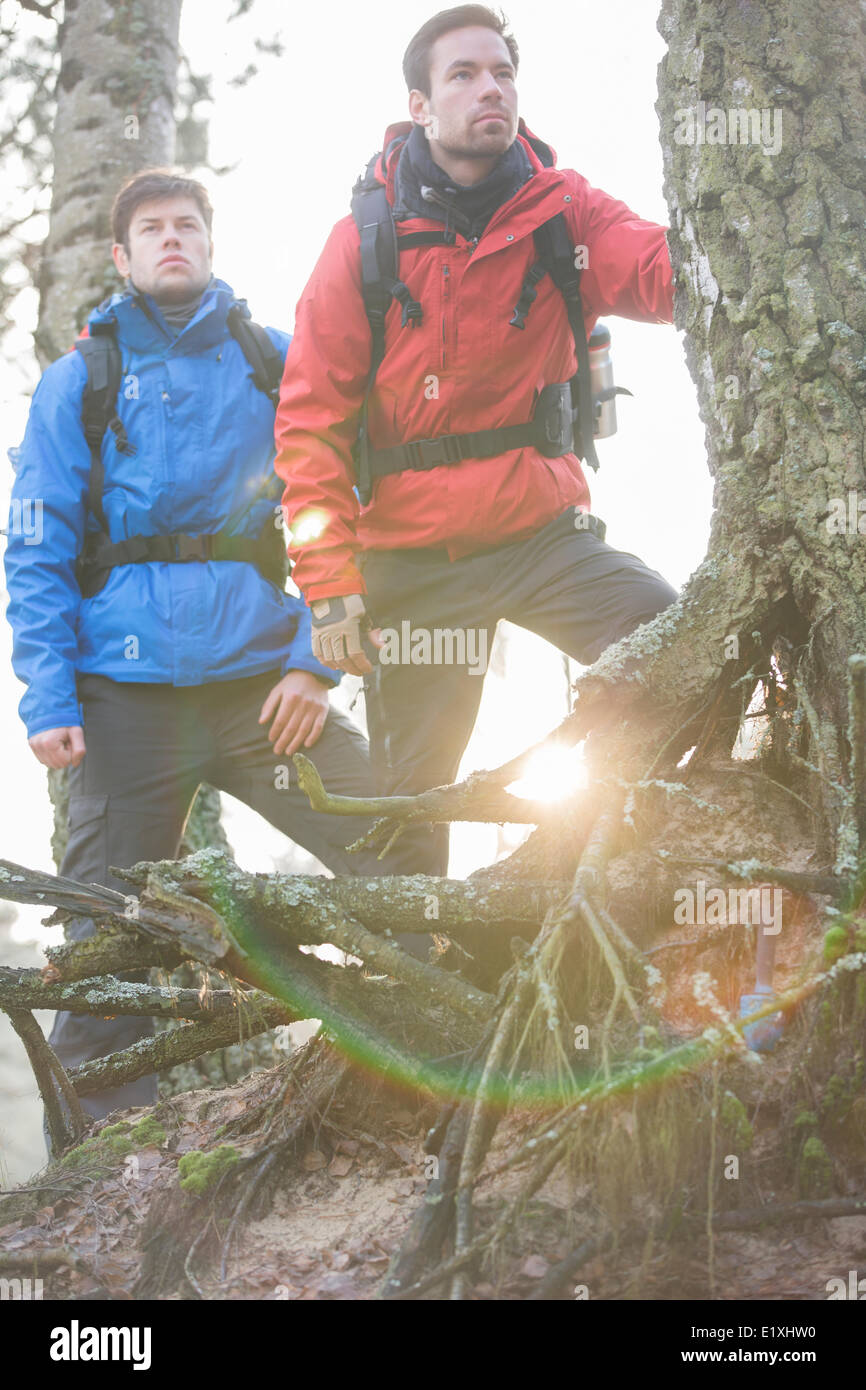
[148, 748]
[563, 583]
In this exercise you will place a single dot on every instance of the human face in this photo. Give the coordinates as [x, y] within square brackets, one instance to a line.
[170, 250]
[471, 112]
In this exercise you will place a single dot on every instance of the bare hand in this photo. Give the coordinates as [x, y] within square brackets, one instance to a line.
[299, 706]
[59, 747]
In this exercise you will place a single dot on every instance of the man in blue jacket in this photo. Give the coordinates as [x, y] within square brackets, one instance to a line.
[151, 625]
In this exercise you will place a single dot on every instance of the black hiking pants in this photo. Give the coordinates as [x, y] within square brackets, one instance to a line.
[148, 748]
[564, 583]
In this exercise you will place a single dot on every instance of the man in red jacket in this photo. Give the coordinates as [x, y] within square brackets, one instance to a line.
[458, 532]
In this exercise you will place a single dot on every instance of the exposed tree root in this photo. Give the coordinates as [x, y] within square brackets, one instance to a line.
[514, 1048]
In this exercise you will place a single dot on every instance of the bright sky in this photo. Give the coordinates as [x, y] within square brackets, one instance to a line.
[300, 133]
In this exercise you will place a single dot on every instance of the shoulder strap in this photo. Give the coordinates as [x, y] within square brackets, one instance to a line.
[380, 283]
[380, 254]
[556, 253]
[99, 408]
[374, 220]
[263, 356]
[379, 260]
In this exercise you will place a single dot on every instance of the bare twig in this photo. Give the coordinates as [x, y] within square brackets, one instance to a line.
[479, 798]
[45, 1069]
[797, 880]
[478, 1132]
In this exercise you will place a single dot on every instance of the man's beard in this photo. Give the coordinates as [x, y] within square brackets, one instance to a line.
[460, 150]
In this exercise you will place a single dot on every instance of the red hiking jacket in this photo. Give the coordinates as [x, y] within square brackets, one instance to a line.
[461, 368]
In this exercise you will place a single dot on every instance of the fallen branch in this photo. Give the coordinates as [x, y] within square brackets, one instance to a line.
[246, 927]
[476, 799]
[181, 922]
[355, 1011]
[380, 954]
[108, 952]
[797, 880]
[47, 1070]
[175, 909]
[175, 1045]
[819, 1209]
[43, 1260]
[107, 997]
[479, 797]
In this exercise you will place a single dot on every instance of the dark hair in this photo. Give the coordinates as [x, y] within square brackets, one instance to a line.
[416, 59]
[148, 186]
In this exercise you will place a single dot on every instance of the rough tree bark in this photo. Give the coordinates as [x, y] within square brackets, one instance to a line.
[115, 114]
[770, 251]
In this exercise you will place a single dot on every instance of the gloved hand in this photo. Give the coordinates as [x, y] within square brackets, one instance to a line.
[343, 634]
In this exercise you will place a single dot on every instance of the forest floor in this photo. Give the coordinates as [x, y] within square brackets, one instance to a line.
[338, 1206]
[341, 1211]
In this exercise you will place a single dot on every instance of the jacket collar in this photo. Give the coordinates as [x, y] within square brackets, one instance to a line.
[541, 155]
[543, 195]
[423, 189]
[138, 323]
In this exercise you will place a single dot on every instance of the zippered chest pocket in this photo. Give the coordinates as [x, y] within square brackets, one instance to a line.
[447, 345]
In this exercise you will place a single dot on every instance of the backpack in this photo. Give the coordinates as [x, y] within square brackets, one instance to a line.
[565, 412]
[99, 555]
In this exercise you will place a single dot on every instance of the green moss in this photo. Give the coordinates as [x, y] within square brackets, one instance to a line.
[83, 1155]
[114, 1143]
[148, 1131]
[102, 1149]
[200, 1171]
[835, 945]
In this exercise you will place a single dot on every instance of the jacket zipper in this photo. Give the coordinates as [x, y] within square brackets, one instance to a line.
[446, 307]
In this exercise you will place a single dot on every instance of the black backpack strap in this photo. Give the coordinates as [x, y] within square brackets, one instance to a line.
[104, 365]
[255, 343]
[528, 295]
[380, 284]
[101, 555]
[556, 253]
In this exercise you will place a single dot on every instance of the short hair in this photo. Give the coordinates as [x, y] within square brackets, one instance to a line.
[416, 59]
[148, 186]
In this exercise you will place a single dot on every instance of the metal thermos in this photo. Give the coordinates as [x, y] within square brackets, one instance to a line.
[601, 382]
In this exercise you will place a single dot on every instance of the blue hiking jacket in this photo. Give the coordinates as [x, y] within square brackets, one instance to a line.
[204, 444]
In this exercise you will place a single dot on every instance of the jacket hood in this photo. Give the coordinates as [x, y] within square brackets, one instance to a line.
[541, 155]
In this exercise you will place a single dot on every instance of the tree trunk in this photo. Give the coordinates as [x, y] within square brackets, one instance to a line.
[115, 99]
[769, 248]
[115, 114]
